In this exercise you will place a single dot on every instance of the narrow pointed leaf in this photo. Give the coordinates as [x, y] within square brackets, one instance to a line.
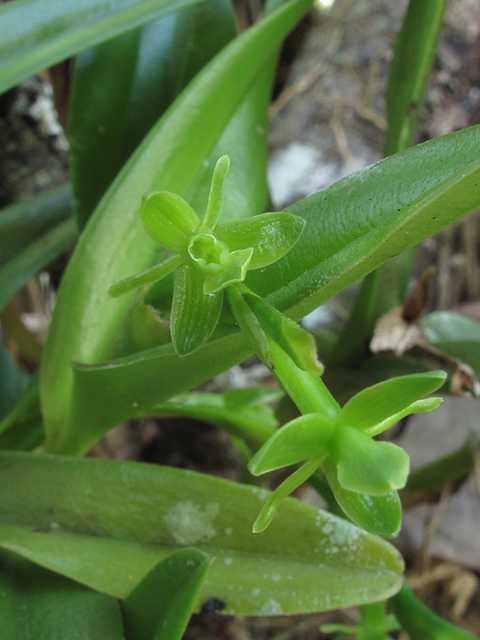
[446, 326]
[250, 326]
[160, 606]
[169, 220]
[302, 438]
[368, 466]
[271, 235]
[114, 245]
[231, 272]
[36, 603]
[215, 198]
[194, 314]
[18, 271]
[111, 524]
[372, 406]
[378, 514]
[37, 35]
[158, 272]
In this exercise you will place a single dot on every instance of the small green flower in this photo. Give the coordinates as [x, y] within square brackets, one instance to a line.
[344, 443]
[207, 258]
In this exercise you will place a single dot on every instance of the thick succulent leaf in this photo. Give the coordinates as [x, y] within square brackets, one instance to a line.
[375, 404]
[271, 235]
[410, 68]
[154, 274]
[302, 438]
[112, 522]
[194, 314]
[367, 466]
[36, 603]
[350, 232]
[378, 514]
[169, 220]
[22, 223]
[114, 245]
[24, 265]
[251, 421]
[37, 34]
[161, 604]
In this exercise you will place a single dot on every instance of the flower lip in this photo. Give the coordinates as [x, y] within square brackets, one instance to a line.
[207, 252]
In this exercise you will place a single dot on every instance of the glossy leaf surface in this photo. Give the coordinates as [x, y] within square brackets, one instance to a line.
[38, 34]
[410, 68]
[111, 523]
[40, 604]
[375, 404]
[418, 192]
[161, 604]
[170, 158]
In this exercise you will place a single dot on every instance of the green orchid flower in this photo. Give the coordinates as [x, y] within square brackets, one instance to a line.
[343, 445]
[206, 257]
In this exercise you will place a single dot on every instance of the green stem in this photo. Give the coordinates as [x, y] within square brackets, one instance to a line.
[374, 621]
[420, 623]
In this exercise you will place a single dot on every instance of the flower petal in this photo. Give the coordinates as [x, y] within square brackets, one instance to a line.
[149, 276]
[168, 219]
[271, 235]
[194, 314]
[215, 199]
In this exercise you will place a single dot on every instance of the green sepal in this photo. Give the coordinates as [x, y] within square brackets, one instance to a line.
[287, 487]
[160, 606]
[298, 440]
[149, 276]
[368, 466]
[421, 406]
[215, 198]
[194, 314]
[372, 406]
[377, 514]
[250, 326]
[295, 341]
[271, 235]
[232, 271]
[168, 219]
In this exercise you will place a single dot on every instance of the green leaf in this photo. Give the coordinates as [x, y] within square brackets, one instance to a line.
[368, 466]
[22, 428]
[194, 314]
[122, 87]
[154, 274]
[376, 404]
[36, 603]
[169, 220]
[18, 271]
[250, 327]
[22, 223]
[271, 235]
[378, 514]
[446, 326]
[113, 521]
[410, 69]
[302, 438]
[160, 606]
[12, 382]
[38, 34]
[215, 198]
[114, 246]
[350, 233]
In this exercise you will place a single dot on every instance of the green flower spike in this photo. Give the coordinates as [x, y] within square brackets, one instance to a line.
[352, 461]
[206, 258]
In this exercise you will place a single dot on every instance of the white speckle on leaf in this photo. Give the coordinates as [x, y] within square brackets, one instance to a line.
[228, 561]
[276, 577]
[188, 523]
[255, 592]
[228, 531]
[270, 608]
